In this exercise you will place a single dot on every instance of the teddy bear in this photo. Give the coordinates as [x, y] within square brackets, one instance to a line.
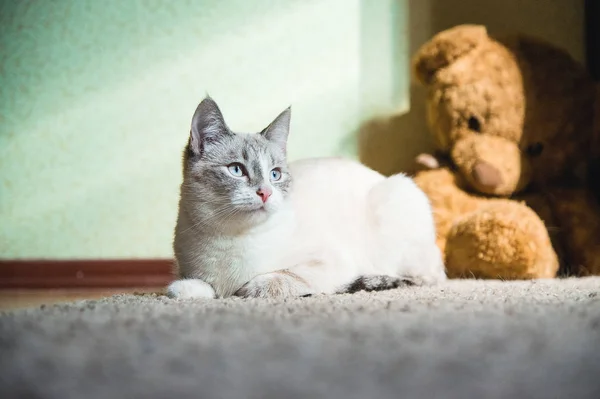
[512, 124]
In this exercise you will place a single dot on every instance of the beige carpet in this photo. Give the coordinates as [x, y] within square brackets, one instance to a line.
[466, 339]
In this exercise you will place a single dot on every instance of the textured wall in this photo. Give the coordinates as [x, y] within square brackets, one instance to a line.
[96, 98]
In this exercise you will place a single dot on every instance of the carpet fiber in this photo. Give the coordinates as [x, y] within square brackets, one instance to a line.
[464, 339]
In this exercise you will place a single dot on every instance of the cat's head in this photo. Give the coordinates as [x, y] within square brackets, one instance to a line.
[234, 177]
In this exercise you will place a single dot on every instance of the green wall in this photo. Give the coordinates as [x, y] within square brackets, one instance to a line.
[96, 99]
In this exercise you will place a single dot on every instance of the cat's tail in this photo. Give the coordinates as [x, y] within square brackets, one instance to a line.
[378, 282]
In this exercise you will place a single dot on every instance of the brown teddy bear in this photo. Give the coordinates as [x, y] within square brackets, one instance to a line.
[512, 121]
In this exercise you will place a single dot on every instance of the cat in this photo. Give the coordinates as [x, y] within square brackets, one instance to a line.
[251, 225]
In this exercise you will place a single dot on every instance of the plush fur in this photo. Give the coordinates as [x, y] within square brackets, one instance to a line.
[512, 121]
[326, 223]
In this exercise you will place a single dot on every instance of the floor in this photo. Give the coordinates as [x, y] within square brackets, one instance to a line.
[25, 298]
[461, 339]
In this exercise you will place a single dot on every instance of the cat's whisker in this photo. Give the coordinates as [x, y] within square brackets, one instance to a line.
[231, 215]
[213, 201]
[203, 222]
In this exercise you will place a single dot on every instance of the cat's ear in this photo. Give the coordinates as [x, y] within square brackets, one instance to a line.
[208, 125]
[277, 132]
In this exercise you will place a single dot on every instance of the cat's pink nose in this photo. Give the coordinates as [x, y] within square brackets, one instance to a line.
[264, 193]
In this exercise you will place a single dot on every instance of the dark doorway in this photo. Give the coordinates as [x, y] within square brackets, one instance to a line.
[592, 37]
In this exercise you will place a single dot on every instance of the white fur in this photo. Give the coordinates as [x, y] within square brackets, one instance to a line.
[340, 221]
[190, 288]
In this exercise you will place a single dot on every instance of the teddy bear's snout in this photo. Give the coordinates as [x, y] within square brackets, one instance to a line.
[491, 165]
[486, 176]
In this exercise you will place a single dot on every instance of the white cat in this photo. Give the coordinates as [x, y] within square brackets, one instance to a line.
[251, 226]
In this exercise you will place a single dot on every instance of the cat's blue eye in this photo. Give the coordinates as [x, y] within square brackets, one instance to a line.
[275, 175]
[236, 169]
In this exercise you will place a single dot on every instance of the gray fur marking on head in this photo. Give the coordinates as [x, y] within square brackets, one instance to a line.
[213, 147]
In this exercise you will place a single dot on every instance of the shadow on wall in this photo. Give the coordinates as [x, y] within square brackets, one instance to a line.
[389, 144]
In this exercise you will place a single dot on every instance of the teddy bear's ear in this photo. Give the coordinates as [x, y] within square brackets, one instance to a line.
[445, 47]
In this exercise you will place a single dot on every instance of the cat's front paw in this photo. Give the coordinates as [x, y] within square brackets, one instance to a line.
[274, 285]
[190, 288]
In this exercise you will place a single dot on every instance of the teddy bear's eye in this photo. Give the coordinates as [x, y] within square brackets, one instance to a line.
[474, 124]
[535, 149]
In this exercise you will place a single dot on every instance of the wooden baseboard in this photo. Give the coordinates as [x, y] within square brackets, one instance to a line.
[117, 273]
